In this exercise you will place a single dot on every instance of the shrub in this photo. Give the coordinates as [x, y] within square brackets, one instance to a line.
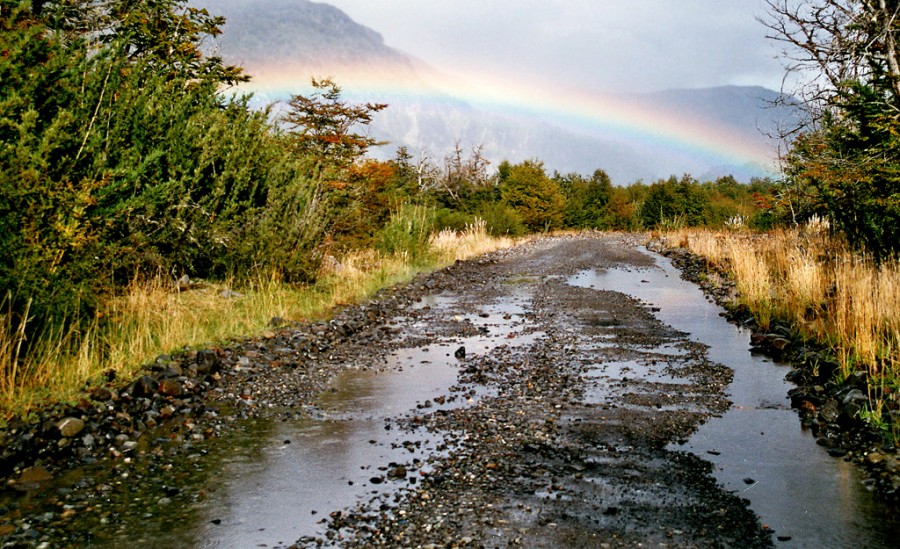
[454, 220]
[406, 233]
[500, 219]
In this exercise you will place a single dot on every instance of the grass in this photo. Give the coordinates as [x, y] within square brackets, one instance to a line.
[828, 293]
[149, 318]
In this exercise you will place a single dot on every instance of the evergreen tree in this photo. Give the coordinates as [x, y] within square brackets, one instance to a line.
[536, 198]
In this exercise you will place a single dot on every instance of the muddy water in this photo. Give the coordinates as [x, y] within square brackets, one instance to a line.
[758, 447]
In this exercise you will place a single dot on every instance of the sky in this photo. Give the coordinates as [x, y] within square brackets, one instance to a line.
[601, 45]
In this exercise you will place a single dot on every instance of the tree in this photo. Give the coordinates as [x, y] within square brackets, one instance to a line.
[536, 198]
[675, 202]
[324, 127]
[845, 53]
[586, 199]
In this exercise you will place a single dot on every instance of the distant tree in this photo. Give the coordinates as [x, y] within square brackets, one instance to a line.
[327, 128]
[621, 211]
[586, 199]
[462, 177]
[536, 198]
[675, 202]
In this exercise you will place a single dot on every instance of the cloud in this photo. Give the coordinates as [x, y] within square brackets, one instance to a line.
[608, 45]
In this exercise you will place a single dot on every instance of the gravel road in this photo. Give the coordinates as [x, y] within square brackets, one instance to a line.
[555, 433]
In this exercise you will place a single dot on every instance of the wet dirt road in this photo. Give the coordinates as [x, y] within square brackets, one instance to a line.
[567, 443]
[495, 403]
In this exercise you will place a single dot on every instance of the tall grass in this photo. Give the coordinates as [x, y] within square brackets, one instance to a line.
[150, 318]
[828, 293]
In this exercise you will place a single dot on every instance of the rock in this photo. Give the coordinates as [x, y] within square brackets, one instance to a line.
[827, 369]
[794, 376]
[858, 379]
[70, 427]
[208, 362]
[830, 411]
[397, 473]
[100, 394]
[780, 343]
[854, 403]
[35, 474]
[875, 458]
[460, 353]
[144, 386]
[170, 387]
[183, 284]
[230, 294]
[172, 370]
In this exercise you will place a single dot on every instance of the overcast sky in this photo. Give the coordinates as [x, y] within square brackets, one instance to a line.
[603, 45]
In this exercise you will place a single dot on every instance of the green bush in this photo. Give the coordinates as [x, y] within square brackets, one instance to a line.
[454, 220]
[113, 165]
[536, 198]
[407, 232]
[500, 219]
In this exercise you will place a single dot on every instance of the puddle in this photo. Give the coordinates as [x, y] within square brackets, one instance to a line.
[806, 497]
[269, 483]
[632, 370]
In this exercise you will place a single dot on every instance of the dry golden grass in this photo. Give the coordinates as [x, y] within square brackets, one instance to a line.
[451, 246]
[827, 292]
[150, 319]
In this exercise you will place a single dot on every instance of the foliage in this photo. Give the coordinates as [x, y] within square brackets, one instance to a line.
[535, 197]
[453, 220]
[322, 125]
[848, 161]
[675, 201]
[114, 162]
[406, 233]
[586, 200]
[500, 219]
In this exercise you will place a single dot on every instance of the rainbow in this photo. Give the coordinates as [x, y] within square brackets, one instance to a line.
[592, 113]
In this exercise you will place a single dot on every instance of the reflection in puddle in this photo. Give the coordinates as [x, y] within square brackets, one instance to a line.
[276, 490]
[284, 478]
[808, 498]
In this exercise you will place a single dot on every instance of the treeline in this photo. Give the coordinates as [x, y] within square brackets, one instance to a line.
[123, 155]
[524, 197]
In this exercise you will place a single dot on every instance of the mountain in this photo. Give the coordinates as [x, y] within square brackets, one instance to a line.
[283, 43]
